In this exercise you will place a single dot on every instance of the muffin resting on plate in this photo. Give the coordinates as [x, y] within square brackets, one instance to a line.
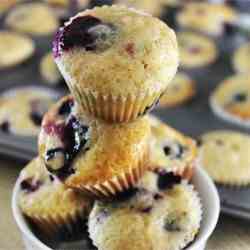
[33, 102]
[225, 155]
[95, 157]
[231, 100]
[171, 150]
[148, 217]
[48, 204]
[116, 61]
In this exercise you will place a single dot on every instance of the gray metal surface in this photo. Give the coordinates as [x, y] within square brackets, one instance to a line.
[193, 118]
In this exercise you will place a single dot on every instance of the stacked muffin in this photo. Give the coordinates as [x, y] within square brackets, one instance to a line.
[102, 160]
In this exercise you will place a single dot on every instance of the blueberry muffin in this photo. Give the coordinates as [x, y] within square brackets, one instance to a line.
[181, 90]
[171, 150]
[48, 204]
[15, 49]
[49, 70]
[206, 17]
[32, 18]
[241, 61]
[116, 61]
[225, 155]
[33, 102]
[151, 216]
[154, 8]
[196, 50]
[95, 157]
[231, 100]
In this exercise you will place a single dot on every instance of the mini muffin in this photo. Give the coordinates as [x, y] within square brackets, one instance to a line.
[181, 90]
[171, 150]
[32, 18]
[231, 100]
[32, 102]
[154, 8]
[241, 62]
[116, 61]
[15, 48]
[49, 70]
[148, 217]
[225, 155]
[48, 204]
[196, 50]
[206, 17]
[95, 157]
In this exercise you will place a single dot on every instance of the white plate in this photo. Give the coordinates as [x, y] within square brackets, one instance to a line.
[202, 183]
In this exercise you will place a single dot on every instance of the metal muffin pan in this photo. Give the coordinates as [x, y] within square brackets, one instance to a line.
[193, 118]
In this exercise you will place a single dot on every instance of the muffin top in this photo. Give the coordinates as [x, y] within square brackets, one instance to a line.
[165, 217]
[34, 103]
[33, 18]
[196, 50]
[44, 194]
[170, 149]
[225, 155]
[15, 48]
[116, 50]
[206, 17]
[233, 96]
[78, 147]
[181, 90]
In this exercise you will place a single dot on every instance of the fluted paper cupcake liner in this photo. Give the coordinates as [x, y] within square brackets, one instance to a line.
[116, 108]
[59, 224]
[119, 183]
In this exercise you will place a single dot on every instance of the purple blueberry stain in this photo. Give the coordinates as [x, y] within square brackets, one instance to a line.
[36, 118]
[146, 209]
[158, 196]
[5, 127]
[167, 180]
[102, 215]
[30, 185]
[171, 224]
[174, 150]
[230, 29]
[73, 135]
[38, 109]
[86, 32]
[66, 107]
[240, 97]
